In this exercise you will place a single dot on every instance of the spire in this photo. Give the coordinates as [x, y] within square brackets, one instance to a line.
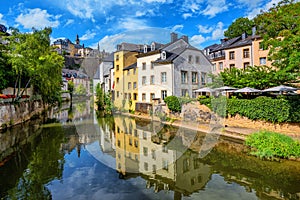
[77, 39]
[98, 47]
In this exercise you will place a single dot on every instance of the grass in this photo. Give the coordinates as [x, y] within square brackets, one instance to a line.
[270, 145]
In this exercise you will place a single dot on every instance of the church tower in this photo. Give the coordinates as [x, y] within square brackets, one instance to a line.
[77, 39]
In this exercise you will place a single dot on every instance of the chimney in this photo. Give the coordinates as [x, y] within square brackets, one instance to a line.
[174, 37]
[244, 35]
[253, 30]
[185, 38]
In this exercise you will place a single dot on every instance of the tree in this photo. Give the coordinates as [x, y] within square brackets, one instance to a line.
[71, 88]
[280, 28]
[80, 89]
[238, 27]
[35, 63]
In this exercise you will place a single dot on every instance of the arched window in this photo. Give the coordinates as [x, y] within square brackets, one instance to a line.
[145, 48]
[163, 55]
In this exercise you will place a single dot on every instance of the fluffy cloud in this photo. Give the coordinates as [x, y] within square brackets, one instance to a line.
[88, 35]
[215, 7]
[129, 24]
[205, 29]
[178, 27]
[187, 15]
[197, 40]
[255, 11]
[218, 32]
[69, 21]
[37, 18]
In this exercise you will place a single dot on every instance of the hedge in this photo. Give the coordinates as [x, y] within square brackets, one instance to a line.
[283, 109]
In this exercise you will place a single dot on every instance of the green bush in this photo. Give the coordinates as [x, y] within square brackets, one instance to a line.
[283, 109]
[173, 103]
[268, 145]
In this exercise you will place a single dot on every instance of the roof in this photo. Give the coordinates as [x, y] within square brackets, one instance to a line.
[134, 65]
[97, 74]
[109, 58]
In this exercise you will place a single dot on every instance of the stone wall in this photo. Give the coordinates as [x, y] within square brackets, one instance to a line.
[11, 114]
[292, 129]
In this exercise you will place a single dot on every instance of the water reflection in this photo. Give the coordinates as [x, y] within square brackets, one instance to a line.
[85, 157]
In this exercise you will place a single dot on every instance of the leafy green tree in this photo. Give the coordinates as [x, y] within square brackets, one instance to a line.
[238, 27]
[71, 88]
[35, 63]
[99, 97]
[280, 28]
[80, 89]
[6, 73]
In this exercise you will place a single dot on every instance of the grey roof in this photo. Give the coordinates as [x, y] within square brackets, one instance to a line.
[226, 44]
[97, 74]
[109, 58]
[134, 65]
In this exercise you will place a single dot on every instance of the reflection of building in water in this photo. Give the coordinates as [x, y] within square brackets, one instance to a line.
[164, 163]
[79, 112]
[127, 145]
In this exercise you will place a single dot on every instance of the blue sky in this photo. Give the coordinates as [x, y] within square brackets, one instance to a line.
[109, 22]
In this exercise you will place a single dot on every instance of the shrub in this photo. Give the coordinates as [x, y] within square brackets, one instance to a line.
[266, 144]
[173, 103]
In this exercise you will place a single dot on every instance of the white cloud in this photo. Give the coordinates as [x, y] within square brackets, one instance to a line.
[37, 18]
[205, 29]
[177, 27]
[215, 7]
[252, 13]
[250, 4]
[2, 21]
[141, 36]
[149, 12]
[128, 24]
[81, 9]
[218, 32]
[88, 35]
[197, 40]
[186, 15]
[69, 21]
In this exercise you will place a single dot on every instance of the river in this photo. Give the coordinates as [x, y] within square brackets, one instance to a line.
[75, 155]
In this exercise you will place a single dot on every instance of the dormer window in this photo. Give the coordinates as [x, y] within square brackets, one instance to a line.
[163, 55]
[153, 46]
[145, 48]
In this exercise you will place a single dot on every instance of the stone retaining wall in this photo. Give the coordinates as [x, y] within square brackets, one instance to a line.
[11, 114]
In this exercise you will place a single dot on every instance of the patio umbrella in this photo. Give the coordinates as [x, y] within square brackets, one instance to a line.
[205, 89]
[226, 88]
[280, 88]
[247, 90]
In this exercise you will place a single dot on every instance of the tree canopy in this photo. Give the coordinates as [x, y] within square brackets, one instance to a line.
[238, 27]
[280, 28]
[35, 63]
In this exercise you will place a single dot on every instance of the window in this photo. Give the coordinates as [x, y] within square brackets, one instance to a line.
[262, 60]
[246, 53]
[196, 163]
[165, 164]
[152, 47]
[134, 85]
[152, 65]
[163, 55]
[118, 129]
[164, 77]
[194, 77]
[130, 141]
[152, 95]
[190, 58]
[118, 80]
[144, 135]
[184, 92]
[117, 67]
[119, 143]
[136, 143]
[125, 95]
[145, 49]
[144, 97]
[214, 67]
[153, 169]
[231, 66]
[129, 85]
[220, 65]
[153, 154]
[231, 55]
[246, 64]
[135, 133]
[163, 94]
[184, 77]
[186, 164]
[145, 151]
[197, 59]
[117, 57]
[152, 80]
[134, 70]
[118, 94]
[146, 166]
[203, 78]
[129, 96]
[128, 72]
[164, 149]
[135, 96]
[144, 80]
[143, 66]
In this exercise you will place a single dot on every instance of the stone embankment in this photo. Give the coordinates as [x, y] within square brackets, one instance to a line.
[12, 114]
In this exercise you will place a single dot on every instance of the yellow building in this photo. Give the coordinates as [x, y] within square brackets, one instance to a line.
[123, 63]
[127, 145]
